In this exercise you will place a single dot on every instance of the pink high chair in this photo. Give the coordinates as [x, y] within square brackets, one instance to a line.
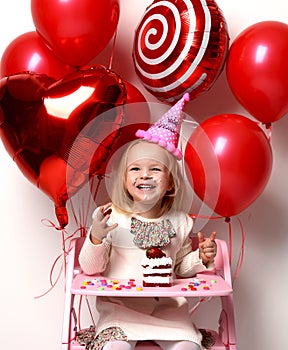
[215, 284]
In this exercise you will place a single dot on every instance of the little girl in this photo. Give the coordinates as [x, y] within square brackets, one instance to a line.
[148, 193]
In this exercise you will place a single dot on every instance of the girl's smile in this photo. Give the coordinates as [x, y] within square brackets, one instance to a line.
[147, 180]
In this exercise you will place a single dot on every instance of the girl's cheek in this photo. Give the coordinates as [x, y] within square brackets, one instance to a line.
[132, 180]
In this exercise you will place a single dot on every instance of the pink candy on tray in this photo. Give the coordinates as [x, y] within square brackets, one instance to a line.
[102, 284]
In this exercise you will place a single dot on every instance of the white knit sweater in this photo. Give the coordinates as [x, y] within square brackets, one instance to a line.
[119, 257]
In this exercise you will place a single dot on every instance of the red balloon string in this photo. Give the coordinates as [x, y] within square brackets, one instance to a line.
[78, 321]
[230, 242]
[50, 223]
[53, 284]
[269, 129]
[64, 254]
[75, 322]
[242, 251]
[77, 318]
[99, 178]
[81, 221]
[196, 306]
[66, 238]
[79, 311]
[75, 217]
[113, 49]
[196, 216]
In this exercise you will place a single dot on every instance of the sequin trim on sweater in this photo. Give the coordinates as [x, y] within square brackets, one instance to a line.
[152, 234]
[88, 339]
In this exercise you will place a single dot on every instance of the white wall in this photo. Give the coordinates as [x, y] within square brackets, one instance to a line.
[29, 248]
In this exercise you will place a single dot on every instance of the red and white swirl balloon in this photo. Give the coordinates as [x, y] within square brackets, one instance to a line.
[180, 46]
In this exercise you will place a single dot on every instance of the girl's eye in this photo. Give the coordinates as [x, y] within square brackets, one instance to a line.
[135, 168]
[156, 169]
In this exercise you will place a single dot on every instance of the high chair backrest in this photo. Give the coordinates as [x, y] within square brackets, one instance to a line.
[76, 246]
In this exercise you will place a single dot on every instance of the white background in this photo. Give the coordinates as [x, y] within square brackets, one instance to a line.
[29, 248]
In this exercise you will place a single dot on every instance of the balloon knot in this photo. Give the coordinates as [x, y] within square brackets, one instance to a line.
[268, 125]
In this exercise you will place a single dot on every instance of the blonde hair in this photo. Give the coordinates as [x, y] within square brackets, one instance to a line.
[172, 199]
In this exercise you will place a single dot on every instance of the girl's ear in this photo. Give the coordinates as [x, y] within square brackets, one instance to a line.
[171, 183]
[171, 188]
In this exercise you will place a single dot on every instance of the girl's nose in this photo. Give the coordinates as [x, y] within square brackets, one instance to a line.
[145, 175]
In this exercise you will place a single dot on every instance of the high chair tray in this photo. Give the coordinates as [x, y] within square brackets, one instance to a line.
[204, 285]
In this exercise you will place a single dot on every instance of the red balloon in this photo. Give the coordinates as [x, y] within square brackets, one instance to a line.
[28, 53]
[257, 70]
[76, 31]
[136, 116]
[180, 46]
[134, 95]
[60, 134]
[230, 160]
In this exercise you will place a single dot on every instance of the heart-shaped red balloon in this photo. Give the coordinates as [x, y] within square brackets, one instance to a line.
[76, 31]
[60, 133]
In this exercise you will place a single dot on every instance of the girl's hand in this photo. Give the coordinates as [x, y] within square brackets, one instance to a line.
[207, 247]
[100, 228]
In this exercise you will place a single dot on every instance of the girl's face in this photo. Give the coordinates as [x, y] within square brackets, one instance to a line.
[147, 176]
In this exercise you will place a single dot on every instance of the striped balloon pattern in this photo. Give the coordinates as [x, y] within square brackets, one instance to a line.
[180, 46]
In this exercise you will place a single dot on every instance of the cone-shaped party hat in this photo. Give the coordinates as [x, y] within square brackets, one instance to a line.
[165, 132]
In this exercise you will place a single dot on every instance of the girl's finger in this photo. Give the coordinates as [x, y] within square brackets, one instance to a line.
[212, 236]
[200, 237]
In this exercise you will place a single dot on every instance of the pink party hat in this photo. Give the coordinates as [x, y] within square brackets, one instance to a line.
[165, 132]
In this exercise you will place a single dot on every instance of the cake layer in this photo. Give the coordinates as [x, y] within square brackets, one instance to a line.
[157, 284]
[156, 271]
[157, 262]
[157, 279]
